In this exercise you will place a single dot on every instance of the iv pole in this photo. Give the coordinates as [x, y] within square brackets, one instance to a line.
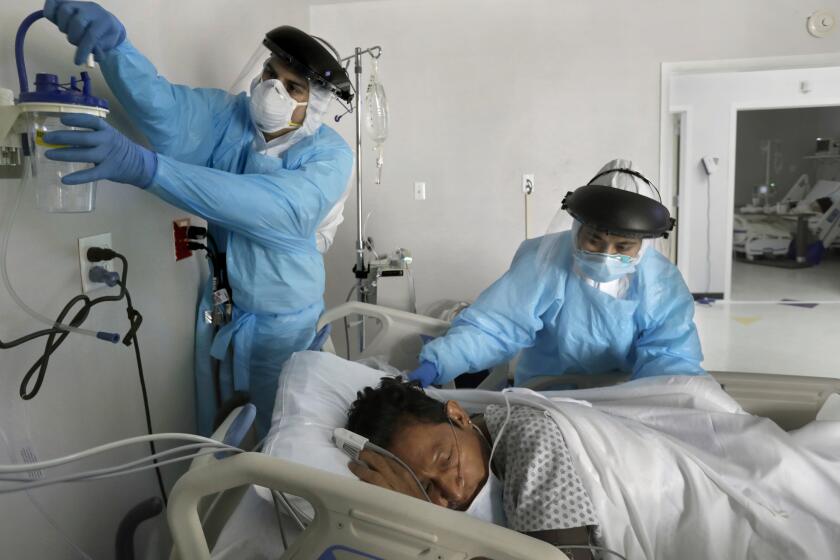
[360, 269]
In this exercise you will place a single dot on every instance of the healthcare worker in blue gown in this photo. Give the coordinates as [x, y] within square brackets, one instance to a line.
[593, 296]
[259, 166]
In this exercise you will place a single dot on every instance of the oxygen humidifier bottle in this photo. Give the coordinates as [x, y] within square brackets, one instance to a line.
[50, 193]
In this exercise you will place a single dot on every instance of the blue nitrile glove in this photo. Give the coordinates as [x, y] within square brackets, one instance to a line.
[89, 26]
[321, 338]
[116, 157]
[425, 374]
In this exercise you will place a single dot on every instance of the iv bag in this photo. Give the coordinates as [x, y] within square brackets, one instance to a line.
[376, 117]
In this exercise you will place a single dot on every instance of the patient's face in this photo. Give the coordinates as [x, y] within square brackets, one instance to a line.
[432, 451]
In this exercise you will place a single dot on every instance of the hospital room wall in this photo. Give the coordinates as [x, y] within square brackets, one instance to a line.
[710, 102]
[91, 394]
[793, 132]
[482, 91]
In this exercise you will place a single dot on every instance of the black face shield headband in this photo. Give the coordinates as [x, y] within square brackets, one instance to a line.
[618, 212]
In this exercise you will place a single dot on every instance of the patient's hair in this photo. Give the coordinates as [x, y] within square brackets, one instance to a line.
[378, 414]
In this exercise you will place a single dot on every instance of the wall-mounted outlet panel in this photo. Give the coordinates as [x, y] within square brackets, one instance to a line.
[102, 240]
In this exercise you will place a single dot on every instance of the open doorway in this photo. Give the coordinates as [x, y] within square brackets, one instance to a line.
[718, 139]
[786, 222]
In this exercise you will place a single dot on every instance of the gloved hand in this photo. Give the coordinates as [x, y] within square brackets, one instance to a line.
[89, 26]
[425, 374]
[116, 157]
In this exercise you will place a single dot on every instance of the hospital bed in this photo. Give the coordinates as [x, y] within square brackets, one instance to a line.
[356, 520]
[762, 232]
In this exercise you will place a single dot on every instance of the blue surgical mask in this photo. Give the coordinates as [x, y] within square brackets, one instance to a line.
[602, 267]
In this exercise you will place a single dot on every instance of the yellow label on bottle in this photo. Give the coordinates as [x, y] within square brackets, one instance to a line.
[39, 140]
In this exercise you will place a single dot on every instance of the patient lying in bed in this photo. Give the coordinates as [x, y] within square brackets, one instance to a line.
[663, 468]
[531, 486]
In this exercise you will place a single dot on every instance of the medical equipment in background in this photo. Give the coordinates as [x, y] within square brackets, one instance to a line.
[21, 127]
[378, 125]
[391, 281]
[376, 116]
[769, 230]
[827, 147]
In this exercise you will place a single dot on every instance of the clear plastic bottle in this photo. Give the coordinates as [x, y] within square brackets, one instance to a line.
[50, 193]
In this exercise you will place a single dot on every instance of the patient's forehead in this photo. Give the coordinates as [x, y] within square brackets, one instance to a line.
[416, 443]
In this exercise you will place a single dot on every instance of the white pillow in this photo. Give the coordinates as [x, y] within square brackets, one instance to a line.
[314, 393]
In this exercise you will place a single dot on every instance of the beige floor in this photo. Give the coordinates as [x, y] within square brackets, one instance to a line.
[770, 338]
[752, 282]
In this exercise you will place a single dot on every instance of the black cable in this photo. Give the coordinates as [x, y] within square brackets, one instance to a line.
[130, 339]
[56, 336]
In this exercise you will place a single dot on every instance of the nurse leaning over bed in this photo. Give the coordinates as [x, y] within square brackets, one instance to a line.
[592, 298]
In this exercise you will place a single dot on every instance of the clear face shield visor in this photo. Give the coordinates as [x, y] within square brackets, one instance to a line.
[278, 89]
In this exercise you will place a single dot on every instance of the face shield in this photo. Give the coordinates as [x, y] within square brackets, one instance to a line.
[290, 73]
[618, 213]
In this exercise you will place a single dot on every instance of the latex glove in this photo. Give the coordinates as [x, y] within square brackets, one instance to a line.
[425, 374]
[89, 26]
[116, 157]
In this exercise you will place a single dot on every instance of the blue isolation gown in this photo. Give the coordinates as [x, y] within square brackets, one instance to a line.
[564, 325]
[263, 212]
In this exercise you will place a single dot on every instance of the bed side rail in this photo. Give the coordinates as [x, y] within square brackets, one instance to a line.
[350, 515]
[789, 400]
[398, 338]
[215, 510]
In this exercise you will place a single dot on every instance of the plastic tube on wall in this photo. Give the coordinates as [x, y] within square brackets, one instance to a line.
[5, 234]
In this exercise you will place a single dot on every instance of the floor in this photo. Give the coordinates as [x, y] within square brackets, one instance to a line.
[771, 338]
[751, 282]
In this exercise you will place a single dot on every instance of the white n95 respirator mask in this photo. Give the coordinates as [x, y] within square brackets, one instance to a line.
[272, 106]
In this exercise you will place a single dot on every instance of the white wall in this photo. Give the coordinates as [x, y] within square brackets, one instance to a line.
[793, 132]
[482, 91]
[92, 394]
[711, 102]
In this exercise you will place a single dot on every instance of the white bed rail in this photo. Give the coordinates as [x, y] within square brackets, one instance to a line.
[350, 516]
[398, 337]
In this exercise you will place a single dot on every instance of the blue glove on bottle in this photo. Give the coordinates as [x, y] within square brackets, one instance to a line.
[425, 374]
[89, 26]
[116, 157]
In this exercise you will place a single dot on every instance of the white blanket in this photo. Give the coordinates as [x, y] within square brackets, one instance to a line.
[677, 470]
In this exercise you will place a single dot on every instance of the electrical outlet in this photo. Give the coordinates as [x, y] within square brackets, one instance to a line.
[419, 190]
[528, 183]
[85, 243]
[179, 234]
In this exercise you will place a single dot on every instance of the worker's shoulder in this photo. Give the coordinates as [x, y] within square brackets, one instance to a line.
[545, 246]
[326, 138]
[662, 280]
[655, 263]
